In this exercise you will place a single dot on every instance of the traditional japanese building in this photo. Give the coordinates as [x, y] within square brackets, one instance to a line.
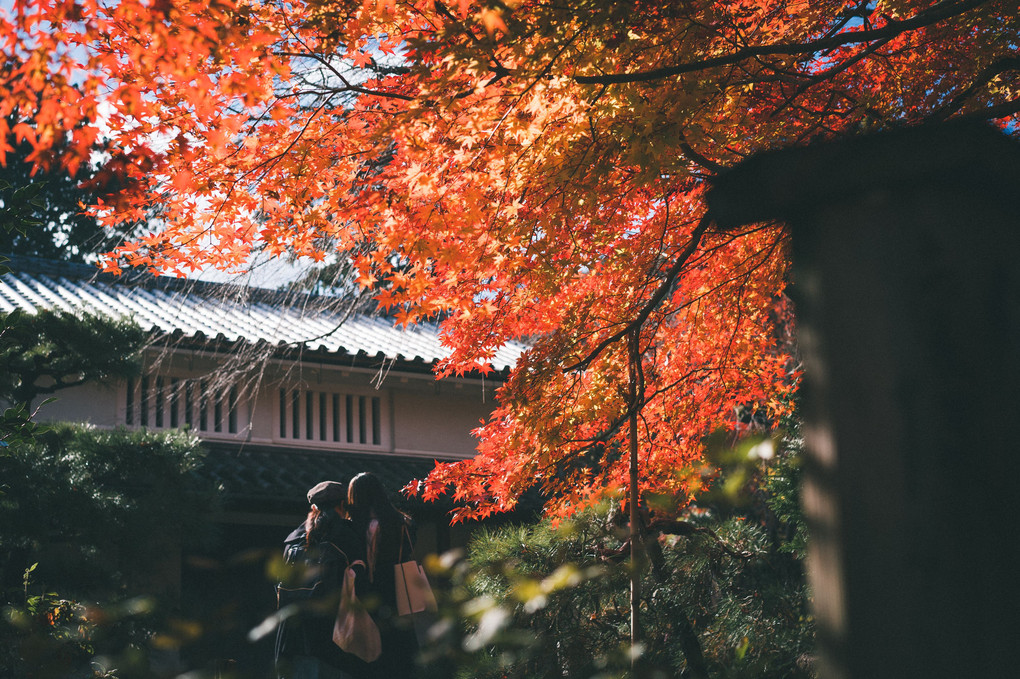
[284, 390]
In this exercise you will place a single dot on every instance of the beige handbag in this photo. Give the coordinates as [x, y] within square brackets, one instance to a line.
[354, 630]
[414, 594]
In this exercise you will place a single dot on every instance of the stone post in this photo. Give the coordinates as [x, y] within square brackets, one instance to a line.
[906, 277]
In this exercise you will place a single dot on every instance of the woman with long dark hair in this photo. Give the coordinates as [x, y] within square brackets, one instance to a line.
[389, 539]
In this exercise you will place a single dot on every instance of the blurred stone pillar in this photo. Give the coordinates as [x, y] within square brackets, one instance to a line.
[906, 276]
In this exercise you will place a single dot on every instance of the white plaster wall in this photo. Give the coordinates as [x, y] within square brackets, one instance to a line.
[93, 403]
[420, 415]
[439, 421]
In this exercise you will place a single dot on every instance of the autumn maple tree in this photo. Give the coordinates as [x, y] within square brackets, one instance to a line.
[519, 171]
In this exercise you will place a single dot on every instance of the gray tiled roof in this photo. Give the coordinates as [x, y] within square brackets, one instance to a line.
[273, 475]
[207, 311]
[274, 479]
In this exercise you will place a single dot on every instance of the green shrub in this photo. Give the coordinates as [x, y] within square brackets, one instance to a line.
[98, 516]
[545, 601]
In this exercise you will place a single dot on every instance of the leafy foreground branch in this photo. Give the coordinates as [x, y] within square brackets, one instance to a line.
[724, 598]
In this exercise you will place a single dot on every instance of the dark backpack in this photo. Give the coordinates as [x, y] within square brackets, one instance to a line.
[302, 586]
[307, 564]
[302, 599]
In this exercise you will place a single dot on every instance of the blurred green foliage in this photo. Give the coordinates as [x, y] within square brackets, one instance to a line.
[17, 427]
[723, 581]
[98, 516]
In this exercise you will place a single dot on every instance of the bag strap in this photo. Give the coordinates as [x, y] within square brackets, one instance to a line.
[400, 550]
[342, 552]
[404, 533]
[371, 546]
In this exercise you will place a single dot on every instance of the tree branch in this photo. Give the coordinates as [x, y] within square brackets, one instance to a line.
[891, 29]
[679, 527]
[829, 73]
[1004, 110]
[983, 78]
[653, 303]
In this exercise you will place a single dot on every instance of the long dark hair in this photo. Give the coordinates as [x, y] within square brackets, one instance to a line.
[367, 499]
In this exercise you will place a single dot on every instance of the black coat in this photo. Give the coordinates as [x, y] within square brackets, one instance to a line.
[324, 564]
[393, 543]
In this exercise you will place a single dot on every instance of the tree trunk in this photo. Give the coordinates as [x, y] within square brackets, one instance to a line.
[697, 668]
[634, 500]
